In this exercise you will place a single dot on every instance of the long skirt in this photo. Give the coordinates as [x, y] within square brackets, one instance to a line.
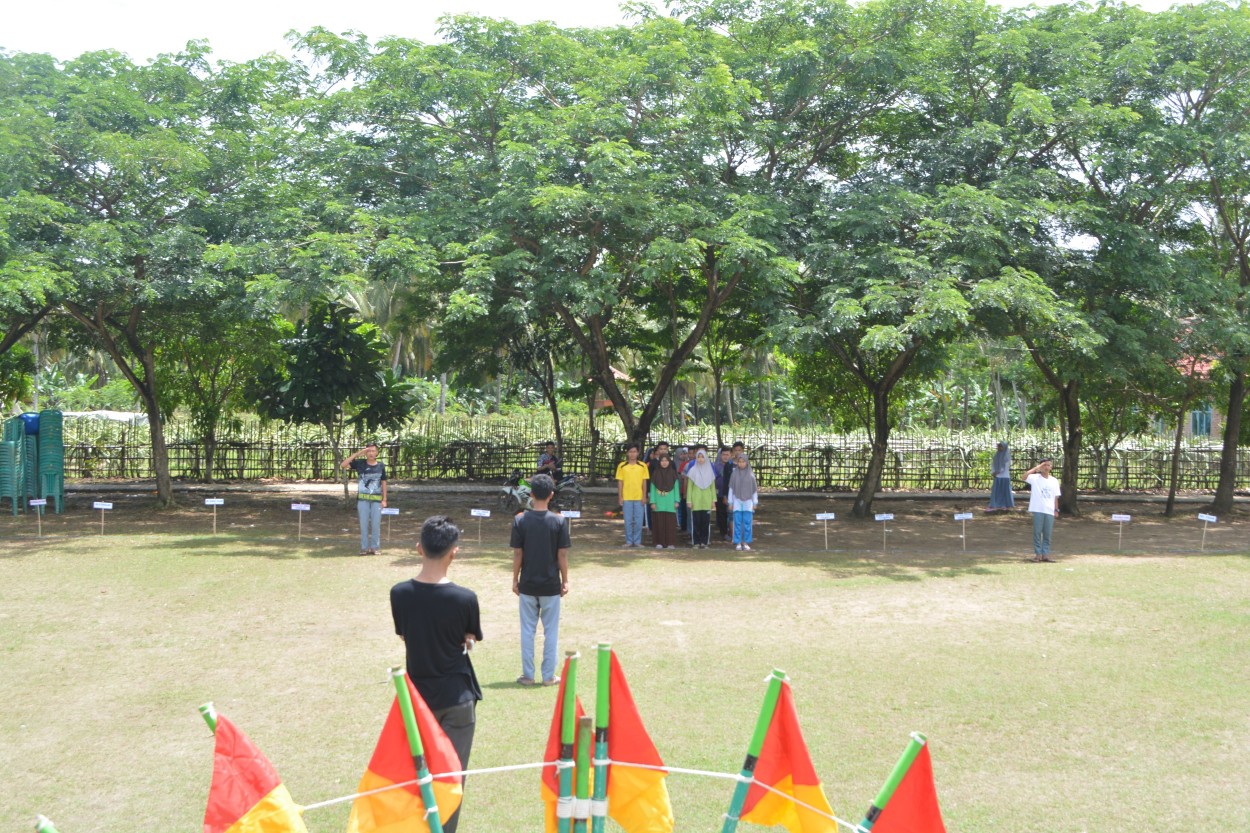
[1001, 496]
[664, 529]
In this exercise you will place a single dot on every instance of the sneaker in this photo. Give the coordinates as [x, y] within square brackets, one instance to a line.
[523, 680]
[659, 546]
[738, 547]
[552, 681]
[746, 547]
[364, 552]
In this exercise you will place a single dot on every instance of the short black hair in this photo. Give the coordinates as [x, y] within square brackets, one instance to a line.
[541, 486]
[439, 535]
[661, 442]
[371, 443]
[740, 444]
[634, 446]
[549, 442]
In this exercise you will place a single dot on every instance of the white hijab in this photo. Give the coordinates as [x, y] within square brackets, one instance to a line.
[702, 475]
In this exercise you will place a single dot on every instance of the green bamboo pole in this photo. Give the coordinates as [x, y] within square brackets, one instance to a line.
[891, 783]
[753, 751]
[568, 730]
[44, 825]
[209, 713]
[603, 705]
[585, 730]
[417, 749]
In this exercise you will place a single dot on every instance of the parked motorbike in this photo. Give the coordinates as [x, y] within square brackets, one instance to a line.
[515, 492]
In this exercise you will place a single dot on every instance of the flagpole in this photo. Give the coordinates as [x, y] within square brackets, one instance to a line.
[568, 730]
[603, 685]
[891, 783]
[424, 781]
[44, 825]
[209, 713]
[753, 751]
[585, 729]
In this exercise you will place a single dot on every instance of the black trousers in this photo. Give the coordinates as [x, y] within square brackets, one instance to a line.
[722, 517]
[458, 723]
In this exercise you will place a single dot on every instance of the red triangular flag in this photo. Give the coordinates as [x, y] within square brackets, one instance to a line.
[914, 806]
[637, 798]
[246, 793]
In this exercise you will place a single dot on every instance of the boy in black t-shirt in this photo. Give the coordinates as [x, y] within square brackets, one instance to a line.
[540, 576]
[440, 623]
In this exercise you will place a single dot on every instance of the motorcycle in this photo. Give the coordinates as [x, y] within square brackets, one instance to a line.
[568, 494]
[515, 492]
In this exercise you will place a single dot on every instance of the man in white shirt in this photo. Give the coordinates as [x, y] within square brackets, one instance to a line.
[1044, 504]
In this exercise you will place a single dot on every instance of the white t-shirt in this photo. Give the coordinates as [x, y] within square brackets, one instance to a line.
[1044, 492]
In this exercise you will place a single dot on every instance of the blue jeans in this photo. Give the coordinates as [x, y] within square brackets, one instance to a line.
[633, 521]
[742, 527]
[534, 608]
[1043, 523]
[370, 512]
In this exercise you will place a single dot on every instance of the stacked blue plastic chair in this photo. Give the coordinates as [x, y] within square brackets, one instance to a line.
[12, 474]
[8, 472]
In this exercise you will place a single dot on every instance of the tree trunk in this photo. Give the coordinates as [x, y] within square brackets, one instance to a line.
[716, 405]
[880, 445]
[1071, 447]
[442, 394]
[1174, 475]
[1223, 502]
[160, 453]
[210, 452]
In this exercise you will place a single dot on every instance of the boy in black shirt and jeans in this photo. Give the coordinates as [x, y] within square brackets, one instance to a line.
[540, 576]
[439, 622]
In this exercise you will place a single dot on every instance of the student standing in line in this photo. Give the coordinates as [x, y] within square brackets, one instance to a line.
[370, 496]
[664, 490]
[701, 495]
[1001, 497]
[744, 496]
[540, 577]
[439, 622]
[1044, 504]
[683, 458]
[724, 467]
[631, 494]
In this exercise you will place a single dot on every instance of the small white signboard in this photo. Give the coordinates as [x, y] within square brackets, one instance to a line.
[1208, 518]
[1121, 519]
[963, 516]
[571, 513]
[40, 501]
[825, 516]
[390, 510]
[885, 517]
[214, 501]
[479, 513]
[300, 507]
[100, 504]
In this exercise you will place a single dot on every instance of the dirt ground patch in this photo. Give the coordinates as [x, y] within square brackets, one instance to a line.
[922, 529]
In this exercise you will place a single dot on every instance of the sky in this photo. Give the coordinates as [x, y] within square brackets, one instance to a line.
[238, 30]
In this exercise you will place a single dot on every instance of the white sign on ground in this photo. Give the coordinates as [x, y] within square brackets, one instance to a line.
[1121, 519]
[479, 513]
[963, 516]
[100, 504]
[300, 507]
[571, 513]
[1208, 518]
[825, 516]
[390, 510]
[885, 517]
[214, 501]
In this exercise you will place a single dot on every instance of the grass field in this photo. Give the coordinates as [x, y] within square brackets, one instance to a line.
[1104, 693]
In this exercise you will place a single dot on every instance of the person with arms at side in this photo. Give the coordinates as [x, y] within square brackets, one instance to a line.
[724, 467]
[439, 622]
[540, 578]
[631, 494]
[701, 495]
[1001, 497]
[664, 488]
[680, 462]
[744, 496]
[1044, 504]
[370, 496]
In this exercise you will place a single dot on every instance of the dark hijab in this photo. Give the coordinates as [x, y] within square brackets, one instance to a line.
[664, 478]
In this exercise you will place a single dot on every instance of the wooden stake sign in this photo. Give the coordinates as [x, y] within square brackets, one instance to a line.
[826, 517]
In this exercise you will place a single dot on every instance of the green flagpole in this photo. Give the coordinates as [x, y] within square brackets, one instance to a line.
[209, 713]
[891, 783]
[568, 731]
[599, 807]
[753, 751]
[424, 781]
[585, 729]
[44, 825]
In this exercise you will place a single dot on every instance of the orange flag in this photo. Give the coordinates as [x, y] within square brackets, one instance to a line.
[785, 765]
[914, 806]
[637, 798]
[246, 795]
[401, 810]
[551, 776]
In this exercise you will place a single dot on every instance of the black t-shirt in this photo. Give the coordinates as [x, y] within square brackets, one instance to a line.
[433, 619]
[371, 477]
[539, 536]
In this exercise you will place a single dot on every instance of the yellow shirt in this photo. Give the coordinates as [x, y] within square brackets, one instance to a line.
[632, 477]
